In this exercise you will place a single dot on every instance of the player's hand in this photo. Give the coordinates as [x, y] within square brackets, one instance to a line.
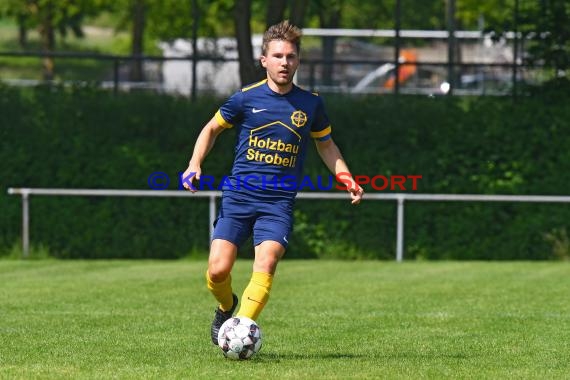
[356, 193]
[191, 177]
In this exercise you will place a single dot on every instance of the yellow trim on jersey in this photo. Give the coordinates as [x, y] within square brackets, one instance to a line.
[220, 119]
[274, 123]
[323, 133]
[253, 85]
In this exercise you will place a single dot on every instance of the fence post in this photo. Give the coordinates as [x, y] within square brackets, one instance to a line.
[397, 43]
[115, 76]
[400, 230]
[515, 49]
[451, 46]
[25, 224]
[312, 76]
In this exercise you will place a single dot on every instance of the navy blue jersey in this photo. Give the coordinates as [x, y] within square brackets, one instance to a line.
[272, 135]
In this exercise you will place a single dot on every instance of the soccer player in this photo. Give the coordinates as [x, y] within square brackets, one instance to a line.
[274, 119]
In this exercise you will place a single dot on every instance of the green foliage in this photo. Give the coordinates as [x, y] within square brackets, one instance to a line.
[35, 252]
[65, 15]
[87, 138]
[560, 242]
[83, 138]
[544, 28]
[547, 28]
[471, 13]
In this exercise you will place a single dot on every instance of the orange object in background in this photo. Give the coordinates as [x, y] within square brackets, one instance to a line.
[404, 71]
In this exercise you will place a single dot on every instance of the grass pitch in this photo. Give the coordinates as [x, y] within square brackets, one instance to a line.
[325, 320]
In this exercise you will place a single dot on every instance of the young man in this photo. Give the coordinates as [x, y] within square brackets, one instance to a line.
[274, 121]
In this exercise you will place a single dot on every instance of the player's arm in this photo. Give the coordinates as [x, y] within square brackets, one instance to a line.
[331, 156]
[204, 144]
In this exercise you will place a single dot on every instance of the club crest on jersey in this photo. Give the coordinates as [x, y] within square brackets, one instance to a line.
[298, 118]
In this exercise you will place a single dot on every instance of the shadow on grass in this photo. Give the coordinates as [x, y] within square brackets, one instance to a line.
[277, 356]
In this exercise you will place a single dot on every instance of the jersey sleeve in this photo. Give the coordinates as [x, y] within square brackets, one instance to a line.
[321, 127]
[230, 112]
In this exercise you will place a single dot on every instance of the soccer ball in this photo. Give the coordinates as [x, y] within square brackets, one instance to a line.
[239, 338]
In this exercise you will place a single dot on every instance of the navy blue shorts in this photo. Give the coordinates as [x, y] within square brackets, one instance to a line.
[241, 216]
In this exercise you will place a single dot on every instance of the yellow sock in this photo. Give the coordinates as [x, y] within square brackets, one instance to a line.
[222, 291]
[255, 295]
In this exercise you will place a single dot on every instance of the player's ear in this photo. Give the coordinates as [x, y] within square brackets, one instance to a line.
[262, 59]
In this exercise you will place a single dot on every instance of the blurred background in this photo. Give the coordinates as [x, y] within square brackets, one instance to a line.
[471, 94]
[466, 46]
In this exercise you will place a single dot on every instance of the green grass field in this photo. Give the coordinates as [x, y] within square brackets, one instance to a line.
[325, 320]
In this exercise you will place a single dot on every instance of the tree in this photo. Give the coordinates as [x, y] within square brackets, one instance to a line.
[50, 17]
[298, 11]
[545, 28]
[133, 17]
[329, 17]
[242, 16]
[171, 19]
[138, 14]
[275, 11]
[19, 11]
[249, 68]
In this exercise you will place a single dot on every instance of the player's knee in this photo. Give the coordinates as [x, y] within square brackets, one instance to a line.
[218, 272]
[266, 263]
[265, 267]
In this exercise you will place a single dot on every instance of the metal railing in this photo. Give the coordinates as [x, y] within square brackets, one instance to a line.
[311, 82]
[400, 198]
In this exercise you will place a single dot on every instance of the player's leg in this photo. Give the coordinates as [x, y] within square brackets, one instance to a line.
[256, 294]
[231, 229]
[223, 254]
[270, 236]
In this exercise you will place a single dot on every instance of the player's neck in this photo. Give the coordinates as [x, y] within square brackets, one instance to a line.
[280, 89]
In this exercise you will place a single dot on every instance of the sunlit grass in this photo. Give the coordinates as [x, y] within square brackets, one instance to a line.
[325, 320]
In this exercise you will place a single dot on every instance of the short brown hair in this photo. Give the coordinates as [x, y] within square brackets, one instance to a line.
[284, 31]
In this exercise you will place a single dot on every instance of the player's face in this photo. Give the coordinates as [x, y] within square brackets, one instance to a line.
[281, 62]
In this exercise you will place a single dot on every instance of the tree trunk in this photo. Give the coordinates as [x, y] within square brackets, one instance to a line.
[298, 11]
[136, 73]
[47, 34]
[22, 31]
[275, 11]
[248, 70]
[458, 57]
[329, 18]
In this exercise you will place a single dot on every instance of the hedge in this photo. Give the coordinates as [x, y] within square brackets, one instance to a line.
[87, 138]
